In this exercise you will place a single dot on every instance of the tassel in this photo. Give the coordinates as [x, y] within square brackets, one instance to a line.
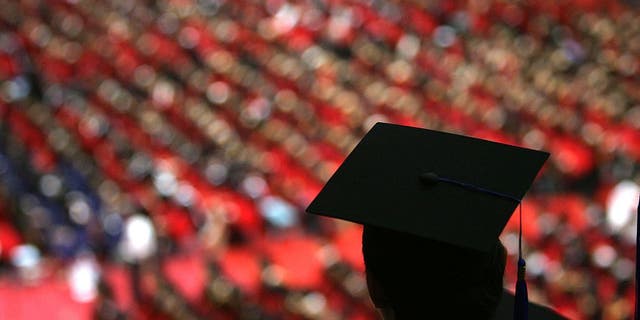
[521, 307]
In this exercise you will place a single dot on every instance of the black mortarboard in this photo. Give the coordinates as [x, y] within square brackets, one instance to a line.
[442, 186]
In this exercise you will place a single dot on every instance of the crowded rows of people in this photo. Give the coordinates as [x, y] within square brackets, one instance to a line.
[176, 138]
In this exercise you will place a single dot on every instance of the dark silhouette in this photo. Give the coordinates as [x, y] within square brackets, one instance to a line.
[410, 276]
[447, 197]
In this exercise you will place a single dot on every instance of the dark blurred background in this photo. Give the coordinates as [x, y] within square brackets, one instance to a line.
[156, 157]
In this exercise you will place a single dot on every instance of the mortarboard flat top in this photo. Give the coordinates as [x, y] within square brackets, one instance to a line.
[380, 184]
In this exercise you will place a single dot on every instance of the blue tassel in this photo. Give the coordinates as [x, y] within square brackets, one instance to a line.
[521, 308]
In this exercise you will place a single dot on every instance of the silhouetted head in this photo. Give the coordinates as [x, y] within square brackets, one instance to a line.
[417, 278]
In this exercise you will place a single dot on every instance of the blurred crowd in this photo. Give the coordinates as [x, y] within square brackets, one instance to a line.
[157, 156]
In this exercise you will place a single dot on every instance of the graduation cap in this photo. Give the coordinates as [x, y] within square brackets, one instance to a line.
[450, 188]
